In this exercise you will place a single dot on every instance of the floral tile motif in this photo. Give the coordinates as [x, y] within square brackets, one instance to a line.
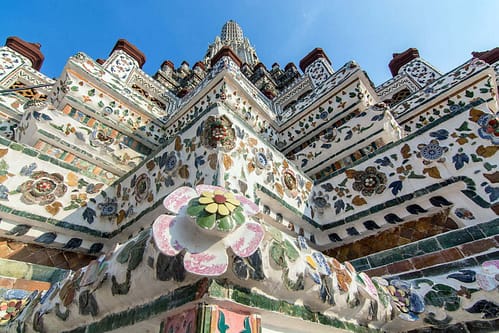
[142, 188]
[12, 303]
[209, 219]
[369, 181]
[489, 128]
[262, 160]
[320, 202]
[432, 152]
[43, 188]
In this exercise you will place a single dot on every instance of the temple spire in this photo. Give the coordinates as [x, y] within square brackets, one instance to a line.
[233, 37]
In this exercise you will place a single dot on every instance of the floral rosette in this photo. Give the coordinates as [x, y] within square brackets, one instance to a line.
[206, 221]
[489, 128]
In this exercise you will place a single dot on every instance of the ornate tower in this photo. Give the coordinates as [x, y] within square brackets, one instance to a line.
[232, 36]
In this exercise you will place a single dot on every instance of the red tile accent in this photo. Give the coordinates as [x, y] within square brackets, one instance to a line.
[478, 246]
[169, 64]
[27, 49]
[436, 258]
[31, 285]
[260, 64]
[131, 50]
[312, 56]
[490, 56]
[495, 208]
[200, 65]
[378, 271]
[7, 283]
[290, 66]
[400, 266]
[226, 52]
[400, 59]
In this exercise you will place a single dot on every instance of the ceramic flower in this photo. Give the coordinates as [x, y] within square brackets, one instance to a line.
[489, 128]
[409, 303]
[42, 188]
[290, 183]
[369, 181]
[486, 279]
[98, 139]
[262, 160]
[320, 202]
[12, 303]
[316, 264]
[208, 220]
[216, 210]
[431, 152]
[142, 187]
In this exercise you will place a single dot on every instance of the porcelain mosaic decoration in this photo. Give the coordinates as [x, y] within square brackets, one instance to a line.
[209, 220]
[230, 197]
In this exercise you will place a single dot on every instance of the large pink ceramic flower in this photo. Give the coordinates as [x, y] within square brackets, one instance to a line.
[201, 228]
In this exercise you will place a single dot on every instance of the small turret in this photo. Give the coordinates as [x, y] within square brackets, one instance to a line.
[131, 50]
[400, 59]
[27, 49]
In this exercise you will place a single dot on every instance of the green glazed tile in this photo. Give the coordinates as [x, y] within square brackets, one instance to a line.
[475, 232]
[490, 228]
[16, 146]
[429, 245]
[446, 268]
[4, 141]
[30, 152]
[453, 238]
[361, 264]
[44, 157]
[384, 258]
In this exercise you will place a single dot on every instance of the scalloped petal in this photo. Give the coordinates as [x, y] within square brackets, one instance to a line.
[230, 206]
[205, 200]
[212, 262]
[161, 231]
[246, 239]
[491, 267]
[211, 208]
[223, 210]
[208, 188]
[368, 287]
[250, 208]
[487, 283]
[179, 198]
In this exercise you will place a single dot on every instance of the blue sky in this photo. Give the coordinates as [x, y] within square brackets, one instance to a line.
[444, 31]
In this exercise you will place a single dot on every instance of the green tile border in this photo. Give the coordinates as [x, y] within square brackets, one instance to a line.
[162, 304]
[409, 137]
[186, 294]
[442, 92]
[246, 297]
[432, 244]
[25, 270]
[448, 267]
